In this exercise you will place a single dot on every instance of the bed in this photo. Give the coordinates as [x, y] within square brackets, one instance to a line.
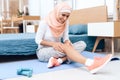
[17, 44]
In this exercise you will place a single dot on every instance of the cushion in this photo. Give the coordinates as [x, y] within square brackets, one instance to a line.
[78, 29]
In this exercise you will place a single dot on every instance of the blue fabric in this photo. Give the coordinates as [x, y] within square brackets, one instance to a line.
[78, 29]
[89, 40]
[17, 44]
[9, 69]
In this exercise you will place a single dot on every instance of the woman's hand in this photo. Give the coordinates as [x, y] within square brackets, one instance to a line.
[67, 42]
[57, 46]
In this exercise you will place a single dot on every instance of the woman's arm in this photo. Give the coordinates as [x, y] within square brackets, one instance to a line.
[56, 45]
[66, 36]
[47, 43]
[40, 32]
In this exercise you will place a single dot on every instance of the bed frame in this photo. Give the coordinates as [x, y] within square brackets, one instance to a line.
[87, 15]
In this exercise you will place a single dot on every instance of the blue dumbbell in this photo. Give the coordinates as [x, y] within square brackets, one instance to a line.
[25, 71]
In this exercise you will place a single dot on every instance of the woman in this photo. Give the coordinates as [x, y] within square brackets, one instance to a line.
[51, 49]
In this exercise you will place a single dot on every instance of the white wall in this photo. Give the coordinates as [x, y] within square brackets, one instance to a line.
[34, 7]
[43, 7]
[46, 7]
[110, 4]
[80, 4]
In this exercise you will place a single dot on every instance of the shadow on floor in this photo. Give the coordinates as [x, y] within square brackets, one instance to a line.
[8, 58]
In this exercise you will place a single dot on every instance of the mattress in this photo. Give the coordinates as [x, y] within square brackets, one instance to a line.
[17, 44]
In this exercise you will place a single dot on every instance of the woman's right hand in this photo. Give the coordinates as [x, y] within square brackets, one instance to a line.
[57, 46]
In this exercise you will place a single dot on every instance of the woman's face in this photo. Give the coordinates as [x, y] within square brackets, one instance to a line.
[62, 17]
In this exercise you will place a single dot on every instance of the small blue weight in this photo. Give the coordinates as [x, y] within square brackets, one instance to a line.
[25, 71]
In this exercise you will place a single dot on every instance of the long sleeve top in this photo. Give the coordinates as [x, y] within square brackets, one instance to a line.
[44, 33]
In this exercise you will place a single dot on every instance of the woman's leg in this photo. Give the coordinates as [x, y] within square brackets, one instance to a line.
[92, 65]
[44, 54]
[55, 61]
[79, 46]
[53, 57]
[73, 54]
[64, 59]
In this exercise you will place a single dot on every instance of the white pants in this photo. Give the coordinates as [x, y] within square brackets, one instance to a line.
[44, 54]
